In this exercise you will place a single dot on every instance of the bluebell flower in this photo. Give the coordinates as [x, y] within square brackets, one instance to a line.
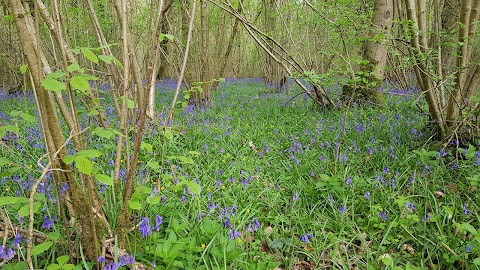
[232, 234]
[101, 259]
[305, 238]
[367, 195]
[144, 227]
[158, 222]
[383, 215]
[342, 209]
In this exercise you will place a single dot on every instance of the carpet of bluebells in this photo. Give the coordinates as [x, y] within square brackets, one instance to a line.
[283, 185]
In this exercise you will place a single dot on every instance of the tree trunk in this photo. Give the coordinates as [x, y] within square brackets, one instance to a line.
[376, 53]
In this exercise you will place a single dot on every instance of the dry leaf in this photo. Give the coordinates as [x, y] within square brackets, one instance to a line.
[439, 194]
[408, 248]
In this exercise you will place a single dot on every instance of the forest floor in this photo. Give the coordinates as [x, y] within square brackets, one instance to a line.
[258, 180]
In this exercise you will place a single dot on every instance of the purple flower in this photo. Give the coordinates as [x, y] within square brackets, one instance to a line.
[63, 189]
[367, 195]
[17, 240]
[47, 223]
[256, 224]
[468, 248]
[227, 223]
[219, 183]
[295, 196]
[232, 234]
[383, 215]
[465, 210]
[386, 170]
[342, 209]
[410, 206]
[101, 259]
[305, 238]
[144, 227]
[348, 181]
[426, 217]
[158, 222]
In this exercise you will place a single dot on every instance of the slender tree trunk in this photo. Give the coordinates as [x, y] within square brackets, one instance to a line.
[86, 220]
[376, 53]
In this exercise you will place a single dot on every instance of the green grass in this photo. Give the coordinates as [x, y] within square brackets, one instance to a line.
[307, 174]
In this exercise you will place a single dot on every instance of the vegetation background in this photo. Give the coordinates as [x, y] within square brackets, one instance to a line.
[346, 134]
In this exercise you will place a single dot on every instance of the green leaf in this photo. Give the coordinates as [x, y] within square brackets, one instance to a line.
[3, 160]
[476, 261]
[53, 266]
[168, 134]
[8, 18]
[84, 165]
[135, 205]
[89, 55]
[80, 83]
[69, 159]
[89, 77]
[12, 200]
[12, 128]
[153, 200]
[25, 210]
[130, 104]
[194, 153]
[63, 259]
[104, 179]
[28, 118]
[57, 74]
[103, 132]
[162, 37]
[54, 236]
[117, 62]
[53, 85]
[23, 69]
[186, 160]
[75, 51]
[154, 165]
[3, 131]
[38, 249]
[89, 153]
[106, 59]
[73, 67]
[146, 146]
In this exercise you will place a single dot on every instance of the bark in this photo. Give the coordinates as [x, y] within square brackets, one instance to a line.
[86, 221]
[376, 53]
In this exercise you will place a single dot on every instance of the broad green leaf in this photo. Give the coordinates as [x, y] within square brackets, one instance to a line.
[3, 131]
[168, 134]
[89, 55]
[186, 160]
[63, 259]
[28, 118]
[25, 210]
[162, 37]
[84, 165]
[75, 51]
[103, 132]
[104, 179]
[15, 113]
[3, 160]
[106, 59]
[153, 200]
[135, 205]
[194, 187]
[54, 266]
[154, 165]
[117, 62]
[8, 18]
[54, 236]
[73, 67]
[476, 261]
[89, 153]
[68, 159]
[23, 69]
[12, 128]
[88, 77]
[146, 146]
[12, 200]
[79, 83]
[53, 85]
[68, 266]
[194, 153]
[57, 74]
[130, 104]
[38, 249]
